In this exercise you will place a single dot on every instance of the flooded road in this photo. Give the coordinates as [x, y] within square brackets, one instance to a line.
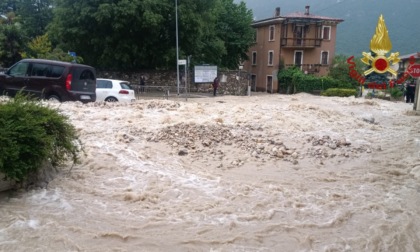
[263, 173]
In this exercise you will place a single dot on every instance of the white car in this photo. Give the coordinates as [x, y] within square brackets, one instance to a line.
[111, 90]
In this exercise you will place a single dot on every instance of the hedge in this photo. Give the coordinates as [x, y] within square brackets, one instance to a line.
[341, 92]
[310, 83]
[32, 133]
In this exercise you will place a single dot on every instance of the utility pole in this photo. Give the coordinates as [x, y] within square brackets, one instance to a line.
[177, 53]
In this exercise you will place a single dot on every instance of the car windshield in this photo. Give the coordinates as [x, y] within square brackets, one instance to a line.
[20, 69]
[125, 85]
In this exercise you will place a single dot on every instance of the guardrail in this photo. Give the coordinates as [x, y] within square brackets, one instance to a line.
[163, 92]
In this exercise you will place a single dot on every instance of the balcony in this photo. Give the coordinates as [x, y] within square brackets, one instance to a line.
[308, 68]
[300, 42]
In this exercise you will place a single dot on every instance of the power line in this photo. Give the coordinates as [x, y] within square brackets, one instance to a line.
[332, 5]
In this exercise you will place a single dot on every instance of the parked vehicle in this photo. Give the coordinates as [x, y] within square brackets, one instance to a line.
[111, 90]
[49, 79]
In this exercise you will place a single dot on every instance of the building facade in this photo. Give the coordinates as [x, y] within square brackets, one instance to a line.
[405, 62]
[297, 39]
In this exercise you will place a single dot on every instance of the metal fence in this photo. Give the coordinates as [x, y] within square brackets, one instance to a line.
[167, 92]
[164, 92]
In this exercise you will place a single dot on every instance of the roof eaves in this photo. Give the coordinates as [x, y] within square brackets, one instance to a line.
[299, 15]
[407, 56]
[267, 21]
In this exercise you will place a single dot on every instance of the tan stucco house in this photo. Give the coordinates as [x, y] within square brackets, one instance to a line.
[300, 38]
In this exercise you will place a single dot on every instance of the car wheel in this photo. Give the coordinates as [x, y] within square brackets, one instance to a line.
[54, 98]
[111, 99]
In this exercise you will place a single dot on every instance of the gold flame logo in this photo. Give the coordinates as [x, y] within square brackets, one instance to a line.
[380, 44]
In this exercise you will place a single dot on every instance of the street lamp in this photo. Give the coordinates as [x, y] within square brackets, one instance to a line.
[177, 53]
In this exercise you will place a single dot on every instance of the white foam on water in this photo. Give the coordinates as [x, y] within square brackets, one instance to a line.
[130, 193]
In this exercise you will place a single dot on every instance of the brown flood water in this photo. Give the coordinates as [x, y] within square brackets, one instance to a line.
[260, 173]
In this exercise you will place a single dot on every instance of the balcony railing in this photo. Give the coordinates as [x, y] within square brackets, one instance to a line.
[309, 68]
[300, 42]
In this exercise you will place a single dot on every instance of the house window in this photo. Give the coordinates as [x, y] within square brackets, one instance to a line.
[271, 33]
[324, 58]
[326, 32]
[255, 35]
[270, 57]
[254, 58]
[298, 58]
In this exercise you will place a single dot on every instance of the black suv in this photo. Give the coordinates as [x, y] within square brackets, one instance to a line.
[49, 79]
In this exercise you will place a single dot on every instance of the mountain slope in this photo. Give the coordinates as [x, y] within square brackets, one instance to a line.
[360, 20]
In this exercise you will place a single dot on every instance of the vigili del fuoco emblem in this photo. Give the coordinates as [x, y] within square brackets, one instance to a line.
[380, 45]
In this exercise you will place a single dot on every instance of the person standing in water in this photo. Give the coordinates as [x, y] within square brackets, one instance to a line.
[215, 85]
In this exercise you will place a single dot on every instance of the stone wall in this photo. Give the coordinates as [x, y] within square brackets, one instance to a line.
[5, 184]
[230, 81]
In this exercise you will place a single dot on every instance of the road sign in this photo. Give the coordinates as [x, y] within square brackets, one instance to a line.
[182, 62]
[414, 70]
[205, 74]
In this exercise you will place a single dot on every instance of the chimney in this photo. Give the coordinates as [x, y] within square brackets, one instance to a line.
[307, 10]
[277, 13]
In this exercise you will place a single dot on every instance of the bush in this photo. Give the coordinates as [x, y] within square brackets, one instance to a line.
[32, 133]
[341, 92]
[396, 93]
[370, 95]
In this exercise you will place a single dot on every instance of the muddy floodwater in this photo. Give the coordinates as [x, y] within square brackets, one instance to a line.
[259, 173]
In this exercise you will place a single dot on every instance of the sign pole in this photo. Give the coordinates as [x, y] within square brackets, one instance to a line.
[416, 105]
[185, 83]
[177, 53]
[414, 71]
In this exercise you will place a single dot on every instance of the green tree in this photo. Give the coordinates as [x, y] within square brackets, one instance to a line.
[7, 18]
[11, 44]
[234, 29]
[115, 34]
[58, 54]
[7, 6]
[132, 34]
[340, 69]
[39, 47]
[34, 16]
[291, 77]
[197, 31]
[11, 36]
